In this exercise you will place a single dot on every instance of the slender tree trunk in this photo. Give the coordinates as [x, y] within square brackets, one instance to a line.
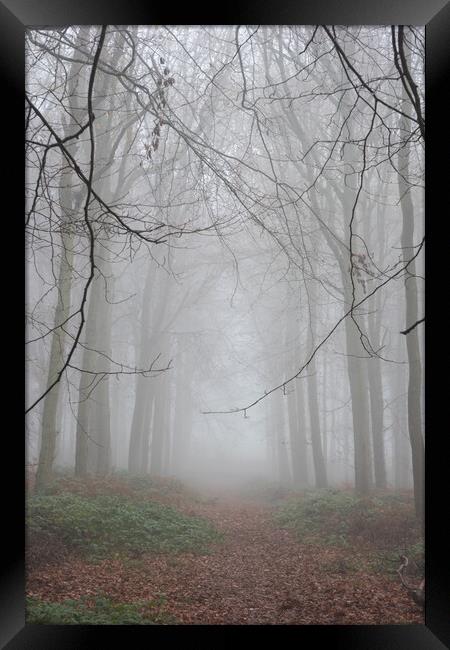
[297, 441]
[98, 405]
[347, 456]
[182, 427]
[84, 464]
[356, 354]
[374, 368]
[412, 315]
[271, 448]
[332, 468]
[324, 416]
[49, 416]
[278, 426]
[138, 428]
[376, 412]
[316, 443]
[302, 446]
[160, 426]
[296, 417]
[93, 434]
[357, 376]
[102, 405]
[151, 342]
[68, 206]
[313, 402]
[147, 427]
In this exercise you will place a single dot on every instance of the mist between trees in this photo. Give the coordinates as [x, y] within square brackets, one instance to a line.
[224, 254]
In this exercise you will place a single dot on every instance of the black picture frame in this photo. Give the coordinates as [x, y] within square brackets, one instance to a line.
[15, 17]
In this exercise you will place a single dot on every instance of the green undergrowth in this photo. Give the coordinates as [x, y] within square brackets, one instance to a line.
[98, 610]
[387, 560]
[108, 524]
[384, 524]
[119, 483]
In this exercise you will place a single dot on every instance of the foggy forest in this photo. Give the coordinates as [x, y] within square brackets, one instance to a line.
[224, 324]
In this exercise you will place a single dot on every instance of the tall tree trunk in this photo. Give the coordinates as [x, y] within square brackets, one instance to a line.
[357, 376]
[49, 416]
[83, 463]
[297, 441]
[320, 472]
[302, 456]
[376, 413]
[152, 322]
[138, 428]
[278, 426]
[376, 398]
[324, 415]
[374, 369]
[102, 397]
[145, 441]
[356, 353]
[296, 418]
[182, 427]
[313, 403]
[332, 466]
[271, 448]
[93, 435]
[159, 426]
[69, 205]
[412, 316]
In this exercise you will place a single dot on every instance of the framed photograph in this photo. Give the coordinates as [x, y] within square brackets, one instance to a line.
[226, 392]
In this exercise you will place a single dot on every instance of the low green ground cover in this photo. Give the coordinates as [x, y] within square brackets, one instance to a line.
[104, 524]
[384, 523]
[97, 611]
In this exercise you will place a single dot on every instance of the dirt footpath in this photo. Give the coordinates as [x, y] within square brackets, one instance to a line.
[259, 575]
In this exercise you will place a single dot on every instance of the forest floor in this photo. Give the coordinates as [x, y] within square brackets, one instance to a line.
[259, 573]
